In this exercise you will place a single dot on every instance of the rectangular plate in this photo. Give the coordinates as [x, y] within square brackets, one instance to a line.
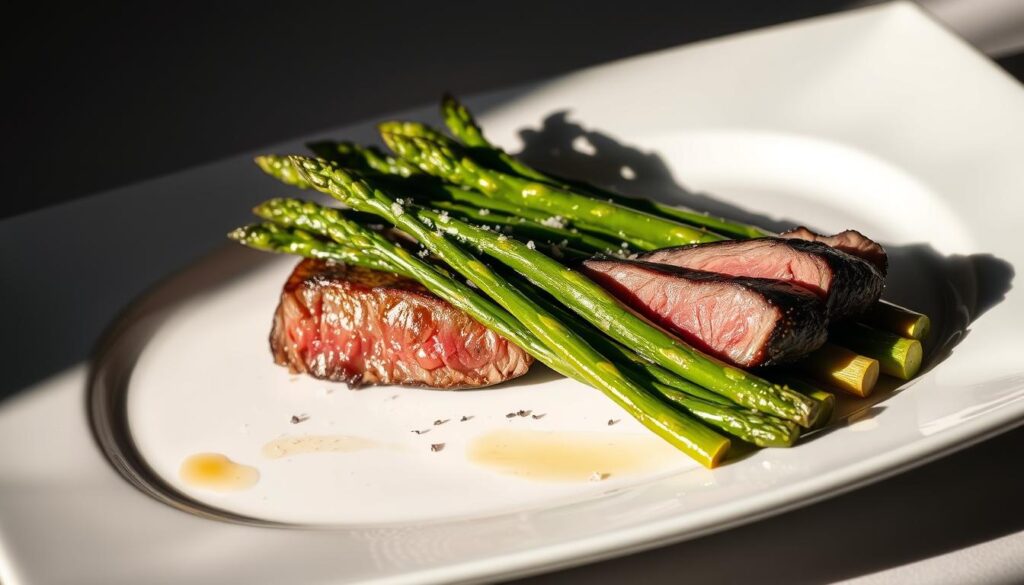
[877, 118]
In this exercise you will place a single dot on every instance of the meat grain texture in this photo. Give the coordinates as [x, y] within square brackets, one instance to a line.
[359, 326]
[848, 284]
[746, 321]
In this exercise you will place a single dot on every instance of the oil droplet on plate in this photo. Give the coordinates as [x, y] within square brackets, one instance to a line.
[571, 456]
[285, 446]
[215, 472]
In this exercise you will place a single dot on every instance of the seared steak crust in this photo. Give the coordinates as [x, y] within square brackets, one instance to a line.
[745, 321]
[852, 242]
[848, 284]
[360, 326]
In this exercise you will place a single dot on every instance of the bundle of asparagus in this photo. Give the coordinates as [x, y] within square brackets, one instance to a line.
[483, 215]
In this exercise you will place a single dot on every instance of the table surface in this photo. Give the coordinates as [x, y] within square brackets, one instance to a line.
[956, 520]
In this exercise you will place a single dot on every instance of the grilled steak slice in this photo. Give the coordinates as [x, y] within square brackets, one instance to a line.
[848, 284]
[355, 325]
[850, 241]
[746, 321]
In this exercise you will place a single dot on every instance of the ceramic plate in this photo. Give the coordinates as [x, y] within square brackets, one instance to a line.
[876, 119]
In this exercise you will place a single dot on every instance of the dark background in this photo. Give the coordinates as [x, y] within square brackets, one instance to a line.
[98, 97]
[102, 96]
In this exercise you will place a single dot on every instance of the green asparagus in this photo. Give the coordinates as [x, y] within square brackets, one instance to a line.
[449, 163]
[573, 354]
[753, 427]
[462, 124]
[581, 295]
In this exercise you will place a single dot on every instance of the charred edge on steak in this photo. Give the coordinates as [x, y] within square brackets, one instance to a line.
[849, 284]
[799, 327]
[850, 241]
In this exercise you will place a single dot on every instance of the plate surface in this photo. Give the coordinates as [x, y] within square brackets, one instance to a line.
[876, 119]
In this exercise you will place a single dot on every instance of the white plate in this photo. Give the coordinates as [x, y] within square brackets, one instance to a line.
[876, 119]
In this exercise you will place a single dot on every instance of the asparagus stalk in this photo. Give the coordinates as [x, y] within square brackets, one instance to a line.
[573, 354]
[841, 368]
[281, 169]
[762, 430]
[362, 158]
[827, 399]
[440, 194]
[448, 162]
[271, 237]
[463, 126]
[897, 356]
[551, 230]
[751, 426]
[899, 320]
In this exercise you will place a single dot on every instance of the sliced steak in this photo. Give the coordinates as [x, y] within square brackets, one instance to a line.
[850, 241]
[848, 284]
[360, 326]
[746, 321]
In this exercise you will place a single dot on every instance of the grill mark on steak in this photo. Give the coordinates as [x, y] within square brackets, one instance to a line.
[360, 326]
[745, 321]
[848, 284]
[852, 242]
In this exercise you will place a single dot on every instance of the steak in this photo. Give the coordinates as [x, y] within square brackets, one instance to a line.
[849, 285]
[852, 242]
[360, 326]
[745, 321]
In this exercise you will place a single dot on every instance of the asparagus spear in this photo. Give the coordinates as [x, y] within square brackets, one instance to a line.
[271, 237]
[481, 159]
[463, 125]
[827, 399]
[550, 230]
[899, 320]
[440, 194]
[573, 354]
[841, 368]
[897, 356]
[448, 162]
[750, 426]
[361, 158]
[281, 169]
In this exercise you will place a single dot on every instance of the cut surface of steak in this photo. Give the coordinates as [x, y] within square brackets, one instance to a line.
[850, 241]
[849, 285]
[745, 321]
[360, 326]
